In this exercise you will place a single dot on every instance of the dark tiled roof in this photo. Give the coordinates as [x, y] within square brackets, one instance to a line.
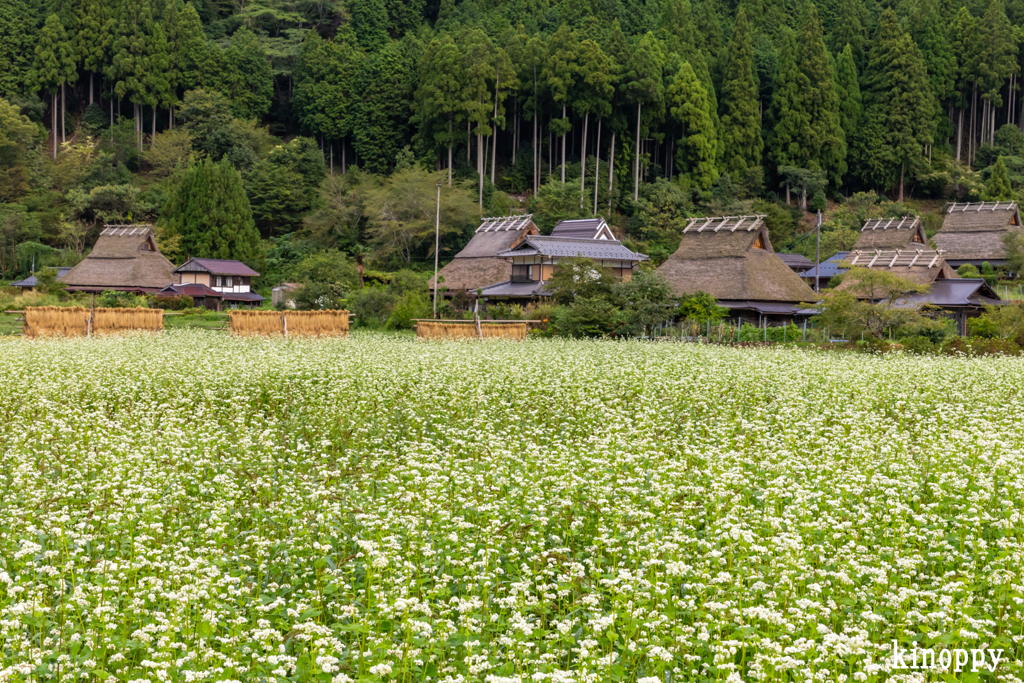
[216, 267]
[956, 292]
[584, 228]
[196, 291]
[768, 307]
[31, 280]
[509, 288]
[829, 268]
[241, 296]
[797, 262]
[569, 247]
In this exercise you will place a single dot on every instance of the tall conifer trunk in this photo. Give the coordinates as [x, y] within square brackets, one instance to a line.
[636, 165]
[90, 88]
[583, 160]
[597, 163]
[53, 128]
[63, 109]
[563, 143]
[611, 170]
[480, 164]
[959, 132]
[494, 134]
[449, 153]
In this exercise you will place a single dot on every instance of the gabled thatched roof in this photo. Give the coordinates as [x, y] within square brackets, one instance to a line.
[731, 258]
[974, 233]
[922, 266]
[477, 265]
[891, 233]
[124, 258]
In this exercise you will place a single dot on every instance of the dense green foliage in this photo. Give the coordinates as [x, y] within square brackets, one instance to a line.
[646, 112]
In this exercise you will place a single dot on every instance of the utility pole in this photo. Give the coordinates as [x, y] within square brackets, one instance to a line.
[437, 244]
[817, 256]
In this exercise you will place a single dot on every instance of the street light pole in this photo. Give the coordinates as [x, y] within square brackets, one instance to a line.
[437, 244]
[817, 257]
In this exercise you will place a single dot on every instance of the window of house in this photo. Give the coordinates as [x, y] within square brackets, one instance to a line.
[229, 281]
[1013, 220]
[917, 238]
[759, 242]
[522, 272]
[219, 282]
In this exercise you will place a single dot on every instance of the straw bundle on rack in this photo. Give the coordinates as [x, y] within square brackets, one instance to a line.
[289, 323]
[61, 321]
[113, 320]
[426, 329]
[55, 321]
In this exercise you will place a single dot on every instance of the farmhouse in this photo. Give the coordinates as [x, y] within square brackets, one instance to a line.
[974, 233]
[891, 233]
[535, 259]
[126, 259]
[731, 258]
[478, 265]
[229, 281]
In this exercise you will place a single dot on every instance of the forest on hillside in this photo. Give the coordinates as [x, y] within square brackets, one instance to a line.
[309, 137]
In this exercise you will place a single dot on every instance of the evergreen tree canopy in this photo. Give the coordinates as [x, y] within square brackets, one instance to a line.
[740, 111]
[209, 210]
[998, 187]
[697, 149]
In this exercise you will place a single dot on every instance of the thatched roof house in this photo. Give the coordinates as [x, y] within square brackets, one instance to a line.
[891, 233]
[125, 258]
[974, 233]
[923, 266]
[478, 265]
[731, 258]
[584, 228]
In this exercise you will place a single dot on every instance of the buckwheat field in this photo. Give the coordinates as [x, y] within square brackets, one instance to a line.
[193, 507]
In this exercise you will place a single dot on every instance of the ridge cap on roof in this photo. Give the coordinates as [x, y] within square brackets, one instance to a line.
[979, 206]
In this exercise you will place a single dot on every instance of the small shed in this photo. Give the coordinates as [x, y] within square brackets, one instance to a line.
[478, 265]
[29, 284]
[584, 228]
[126, 259]
[975, 232]
[732, 259]
[892, 233]
[960, 299]
[284, 294]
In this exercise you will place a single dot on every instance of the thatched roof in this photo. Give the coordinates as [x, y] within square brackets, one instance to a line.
[891, 233]
[125, 258]
[731, 258]
[974, 233]
[477, 265]
[922, 266]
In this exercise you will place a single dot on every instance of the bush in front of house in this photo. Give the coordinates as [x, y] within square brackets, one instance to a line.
[174, 303]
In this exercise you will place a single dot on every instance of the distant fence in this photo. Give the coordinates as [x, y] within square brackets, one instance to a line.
[289, 323]
[471, 329]
[76, 321]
